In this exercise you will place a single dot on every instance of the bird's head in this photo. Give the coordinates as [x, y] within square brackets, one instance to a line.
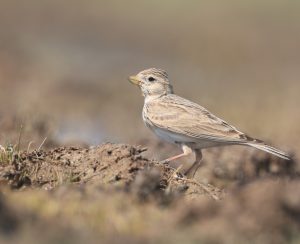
[152, 82]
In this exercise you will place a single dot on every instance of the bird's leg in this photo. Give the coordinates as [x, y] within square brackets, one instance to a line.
[190, 173]
[186, 151]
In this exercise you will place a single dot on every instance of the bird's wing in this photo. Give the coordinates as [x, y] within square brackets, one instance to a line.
[181, 116]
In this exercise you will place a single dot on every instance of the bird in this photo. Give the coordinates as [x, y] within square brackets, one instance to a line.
[185, 123]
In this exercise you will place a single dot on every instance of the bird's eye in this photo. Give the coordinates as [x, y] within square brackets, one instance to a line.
[151, 78]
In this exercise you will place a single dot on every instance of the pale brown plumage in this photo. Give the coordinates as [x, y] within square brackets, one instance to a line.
[184, 117]
[186, 123]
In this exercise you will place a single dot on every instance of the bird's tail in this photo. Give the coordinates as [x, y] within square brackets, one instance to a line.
[264, 147]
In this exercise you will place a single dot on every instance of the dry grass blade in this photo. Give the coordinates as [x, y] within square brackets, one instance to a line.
[42, 144]
[203, 187]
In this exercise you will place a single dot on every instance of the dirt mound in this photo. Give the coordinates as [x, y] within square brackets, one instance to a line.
[114, 194]
[106, 165]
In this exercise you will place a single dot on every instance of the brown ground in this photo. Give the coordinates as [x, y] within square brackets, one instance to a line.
[113, 194]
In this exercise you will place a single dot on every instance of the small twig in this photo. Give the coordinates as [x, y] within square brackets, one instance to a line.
[174, 173]
[90, 177]
[142, 149]
[206, 189]
[29, 144]
[42, 144]
[19, 139]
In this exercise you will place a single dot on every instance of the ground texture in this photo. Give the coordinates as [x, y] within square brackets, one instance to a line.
[112, 193]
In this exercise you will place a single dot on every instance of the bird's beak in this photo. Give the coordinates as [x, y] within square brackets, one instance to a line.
[134, 80]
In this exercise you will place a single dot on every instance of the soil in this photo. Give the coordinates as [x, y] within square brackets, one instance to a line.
[113, 193]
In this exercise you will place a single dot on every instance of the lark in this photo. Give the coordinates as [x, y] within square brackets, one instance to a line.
[185, 123]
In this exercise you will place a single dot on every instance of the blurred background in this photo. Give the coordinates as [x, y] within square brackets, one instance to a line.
[64, 66]
[63, 81]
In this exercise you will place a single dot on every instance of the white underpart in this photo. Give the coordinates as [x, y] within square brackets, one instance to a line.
[182, 139]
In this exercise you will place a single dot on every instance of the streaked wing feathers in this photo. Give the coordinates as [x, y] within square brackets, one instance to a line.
[182, 116]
